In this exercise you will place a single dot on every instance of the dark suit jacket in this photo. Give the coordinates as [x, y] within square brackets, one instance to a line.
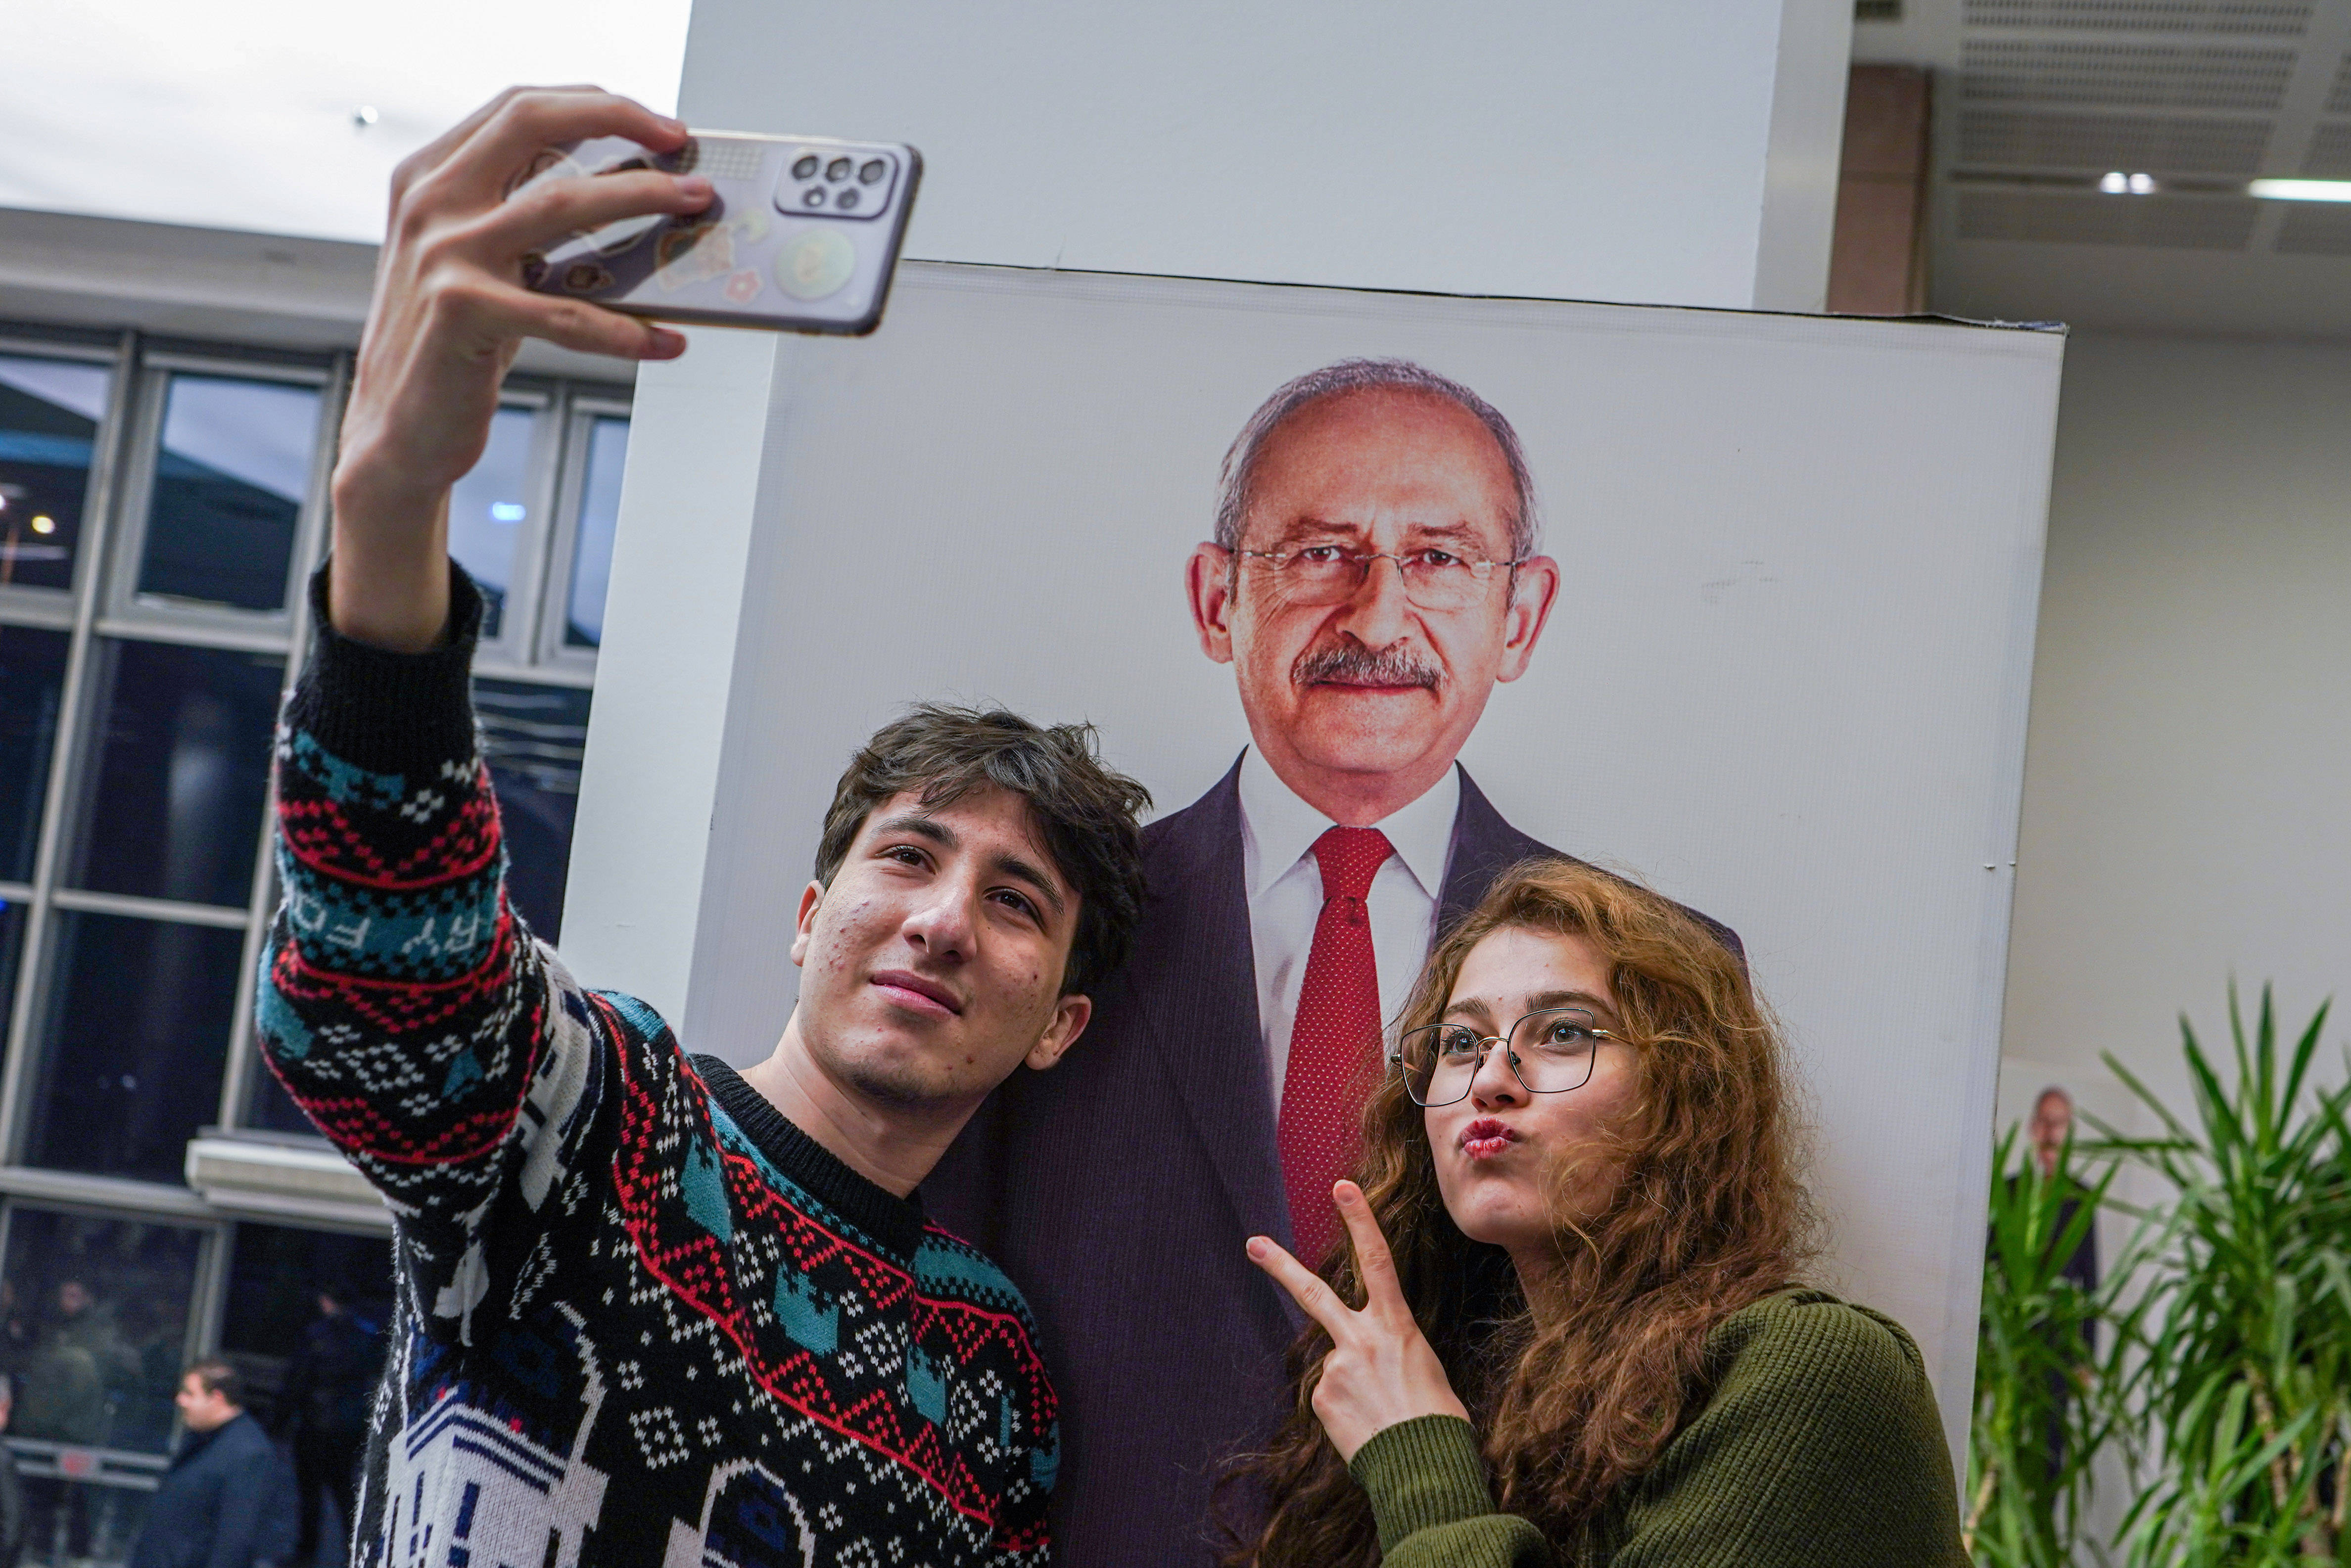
[1118, 1188]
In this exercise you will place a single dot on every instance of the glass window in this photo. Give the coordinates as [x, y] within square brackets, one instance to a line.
[31, 674]
[50, 414]
[135, 1033]
[487, 512]
[534, 738]
[12, 950]
[600, 513]
[229, 486]
[173, 804]
[96, 1326]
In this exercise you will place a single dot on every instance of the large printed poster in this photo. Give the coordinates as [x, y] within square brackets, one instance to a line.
[1740, 605]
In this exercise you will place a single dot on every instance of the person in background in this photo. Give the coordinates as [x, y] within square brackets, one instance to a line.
[2053, 1129]
[1574, 1327]
[227, 1501]
[15, 1523]
[324, 1408]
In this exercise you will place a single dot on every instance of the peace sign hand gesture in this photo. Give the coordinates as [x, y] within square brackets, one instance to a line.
[1380, 1370]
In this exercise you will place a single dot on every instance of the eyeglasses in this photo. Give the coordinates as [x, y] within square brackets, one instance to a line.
[1550, 1052]
[1327, 574]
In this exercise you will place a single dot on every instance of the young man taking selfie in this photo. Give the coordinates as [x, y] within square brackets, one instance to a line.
[654, 1311]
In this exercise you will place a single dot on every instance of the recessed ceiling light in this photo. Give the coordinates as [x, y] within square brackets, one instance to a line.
[2301, 190]
[2115, 183]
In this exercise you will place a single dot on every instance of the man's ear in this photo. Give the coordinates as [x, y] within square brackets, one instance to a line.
[1208, 588]
[1534, 592]
[1069, 1017]
[810, 897]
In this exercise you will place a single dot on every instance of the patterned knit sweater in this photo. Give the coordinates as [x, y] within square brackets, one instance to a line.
[642, 1319]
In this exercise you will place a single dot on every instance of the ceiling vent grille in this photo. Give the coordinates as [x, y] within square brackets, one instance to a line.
[2313, 229]
[2160, 144]
[2165, 222]
[2330, 153]
[2271, 18]
[2140, 75]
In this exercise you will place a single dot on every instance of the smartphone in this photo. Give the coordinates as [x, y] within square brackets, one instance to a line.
[800, 235]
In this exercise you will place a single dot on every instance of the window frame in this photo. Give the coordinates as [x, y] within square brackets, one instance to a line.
[103, 602]
[189, 620]
[21, 603]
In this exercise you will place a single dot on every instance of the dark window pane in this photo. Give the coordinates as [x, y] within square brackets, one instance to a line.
[133, 1043]
[268, 1107]
[486, 511]
[97, 1327]
[229, 484]
[174, 805]
[600, 513]
[32, 673]
[534, 738]
[50, 414]
[11, 952]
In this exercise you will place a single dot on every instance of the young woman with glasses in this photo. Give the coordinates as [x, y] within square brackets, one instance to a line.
[1570, 1326]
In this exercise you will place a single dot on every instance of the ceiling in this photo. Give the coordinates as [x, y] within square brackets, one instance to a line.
[2035, 98]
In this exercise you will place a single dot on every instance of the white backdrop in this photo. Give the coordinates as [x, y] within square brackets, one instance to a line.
[1786, 682]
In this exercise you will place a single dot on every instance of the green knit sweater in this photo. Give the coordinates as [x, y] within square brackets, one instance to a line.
[1819, 1445]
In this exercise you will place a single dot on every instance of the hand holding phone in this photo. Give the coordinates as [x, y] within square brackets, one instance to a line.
[802, 233]
[449, 313]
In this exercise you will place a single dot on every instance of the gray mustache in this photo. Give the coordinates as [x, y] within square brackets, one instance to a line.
[1360, 666]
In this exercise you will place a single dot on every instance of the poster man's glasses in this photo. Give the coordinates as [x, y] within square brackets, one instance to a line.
[1327, 574]
[1550, 1052]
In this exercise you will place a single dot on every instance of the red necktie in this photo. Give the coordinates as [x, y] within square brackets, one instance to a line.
[1335, 1047]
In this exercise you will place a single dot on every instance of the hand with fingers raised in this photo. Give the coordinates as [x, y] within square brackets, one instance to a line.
[1381, 1369]
[449, 313]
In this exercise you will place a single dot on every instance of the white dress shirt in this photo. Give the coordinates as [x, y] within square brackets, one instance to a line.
[1285, 894]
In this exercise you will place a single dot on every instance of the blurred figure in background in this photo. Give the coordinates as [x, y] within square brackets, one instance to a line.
[227, 1501]
[76, 1353]
[323, 1407]
[2052, 1127]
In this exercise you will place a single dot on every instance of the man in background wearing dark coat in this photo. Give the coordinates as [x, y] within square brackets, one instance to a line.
[1374, 573]
[227, 1501]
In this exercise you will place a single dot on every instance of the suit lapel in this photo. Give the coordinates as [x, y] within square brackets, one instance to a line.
[1195, 982]
[1483, 847]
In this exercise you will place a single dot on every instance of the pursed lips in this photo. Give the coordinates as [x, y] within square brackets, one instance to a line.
[917, 993]
[1485, 1137]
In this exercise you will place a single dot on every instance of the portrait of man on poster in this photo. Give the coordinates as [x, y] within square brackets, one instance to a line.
[1375, 571]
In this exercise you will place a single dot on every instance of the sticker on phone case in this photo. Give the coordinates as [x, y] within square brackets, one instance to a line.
[692, 256]
[587, 276]
[752, 226]
[815, 264]
[744, 286]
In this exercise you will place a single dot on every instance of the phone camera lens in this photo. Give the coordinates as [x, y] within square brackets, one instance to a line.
[837, 169]
[805, 169]
[872, 169]
[847, 199]
[813, 197]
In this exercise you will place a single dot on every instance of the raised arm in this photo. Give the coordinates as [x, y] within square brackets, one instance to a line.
[406, 1008]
